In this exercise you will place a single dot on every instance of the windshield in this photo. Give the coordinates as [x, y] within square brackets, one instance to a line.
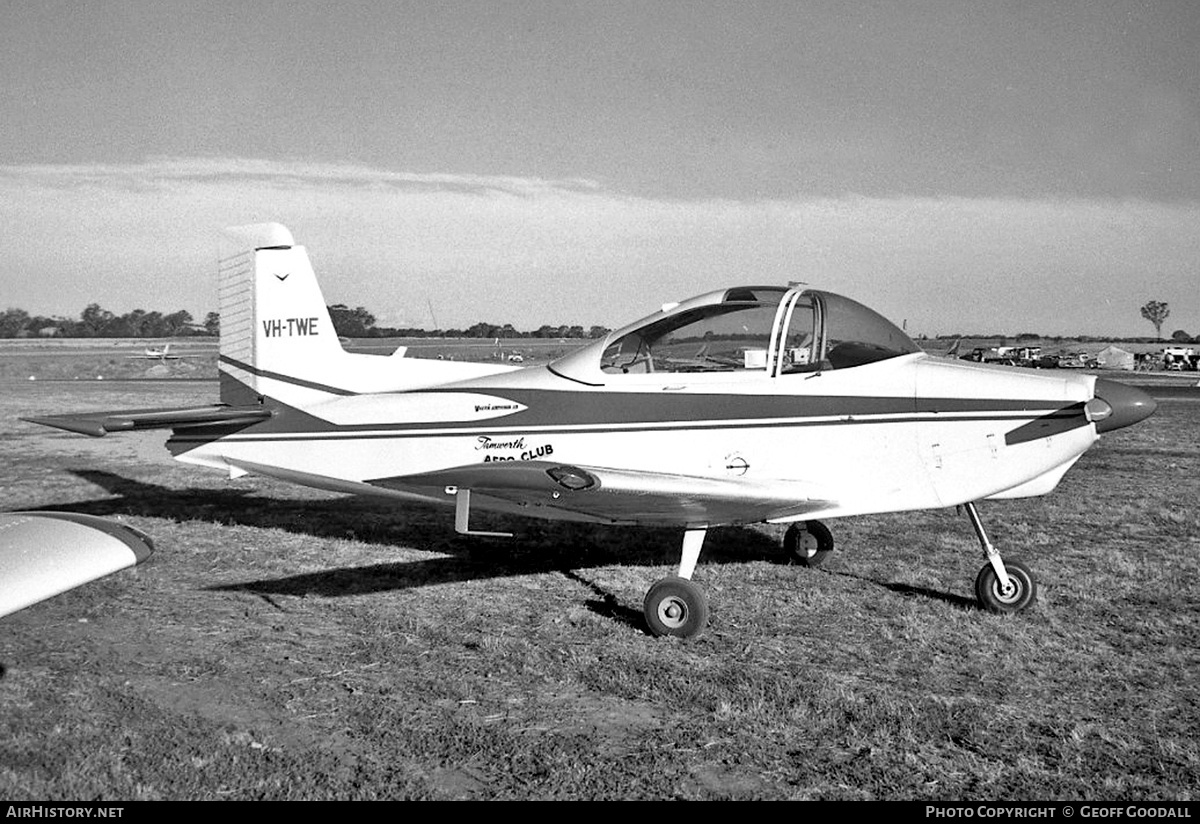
[739, 333]
[855, 335]
[732, 335]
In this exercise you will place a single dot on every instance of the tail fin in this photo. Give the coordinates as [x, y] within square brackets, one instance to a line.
[273, 320]
[278, 341]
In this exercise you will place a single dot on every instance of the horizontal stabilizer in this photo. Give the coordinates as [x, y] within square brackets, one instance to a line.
[98, 424]
[43, 554]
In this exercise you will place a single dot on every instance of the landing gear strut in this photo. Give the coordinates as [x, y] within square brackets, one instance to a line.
[676, 606]
[1000, 587]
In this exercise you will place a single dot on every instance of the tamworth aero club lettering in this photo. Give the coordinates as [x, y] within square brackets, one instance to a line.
[488, 446]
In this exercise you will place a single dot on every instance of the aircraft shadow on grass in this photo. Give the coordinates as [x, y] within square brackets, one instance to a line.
[913, 591]
[539, 546]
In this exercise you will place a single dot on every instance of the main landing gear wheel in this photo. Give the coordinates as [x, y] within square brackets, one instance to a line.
[1022, 591]
[808, 544]
[676, 606]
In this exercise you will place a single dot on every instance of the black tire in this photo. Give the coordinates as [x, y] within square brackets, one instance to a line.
[808, 544]
[675, 606]
[1023, 595]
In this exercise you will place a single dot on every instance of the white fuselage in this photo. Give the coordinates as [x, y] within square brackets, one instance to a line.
[911, 432]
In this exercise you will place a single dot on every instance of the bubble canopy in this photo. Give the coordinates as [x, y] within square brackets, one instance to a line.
[770, 331]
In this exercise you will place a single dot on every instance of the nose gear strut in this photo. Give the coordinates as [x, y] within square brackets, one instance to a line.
[1000, 587]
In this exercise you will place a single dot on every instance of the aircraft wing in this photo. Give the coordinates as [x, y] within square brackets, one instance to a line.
[99, 424]
[43, 554]
[621, 495]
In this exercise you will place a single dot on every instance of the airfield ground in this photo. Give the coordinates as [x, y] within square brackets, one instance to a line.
[196, 358]
[287, 643]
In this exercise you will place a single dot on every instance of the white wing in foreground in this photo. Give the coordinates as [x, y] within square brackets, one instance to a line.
[43, 554]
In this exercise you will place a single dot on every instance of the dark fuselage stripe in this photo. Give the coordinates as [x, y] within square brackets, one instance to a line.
[1063, 423]
[567, 411]
[555, 409]
[276, 376]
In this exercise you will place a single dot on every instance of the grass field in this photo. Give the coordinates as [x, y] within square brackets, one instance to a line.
[286, 643]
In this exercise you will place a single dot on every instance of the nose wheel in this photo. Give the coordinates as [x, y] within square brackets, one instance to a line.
[1019, 594]
[1001, 587]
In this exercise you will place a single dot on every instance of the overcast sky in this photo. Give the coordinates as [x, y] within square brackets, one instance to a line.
[981, 166]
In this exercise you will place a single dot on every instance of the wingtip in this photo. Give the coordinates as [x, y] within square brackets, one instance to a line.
[81, 426]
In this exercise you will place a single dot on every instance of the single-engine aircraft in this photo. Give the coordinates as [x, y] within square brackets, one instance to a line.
[153, 353]
[777, 404]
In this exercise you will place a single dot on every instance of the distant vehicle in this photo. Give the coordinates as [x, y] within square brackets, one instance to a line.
[750, 404]
[1076, 360]
[1179, 358]
[1005, 355]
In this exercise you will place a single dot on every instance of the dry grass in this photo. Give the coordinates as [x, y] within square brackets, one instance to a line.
[284, 643]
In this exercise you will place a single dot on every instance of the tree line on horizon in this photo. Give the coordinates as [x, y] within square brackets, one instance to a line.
[97, 322]
[360, 323]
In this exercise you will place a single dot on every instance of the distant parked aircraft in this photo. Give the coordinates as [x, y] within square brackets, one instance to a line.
[152, 353]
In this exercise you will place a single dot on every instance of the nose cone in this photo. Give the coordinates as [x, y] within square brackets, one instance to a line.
[1125, 404]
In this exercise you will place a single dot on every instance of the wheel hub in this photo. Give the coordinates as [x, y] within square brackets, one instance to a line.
[808, 545]
[672, 612]
[1009, 594]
